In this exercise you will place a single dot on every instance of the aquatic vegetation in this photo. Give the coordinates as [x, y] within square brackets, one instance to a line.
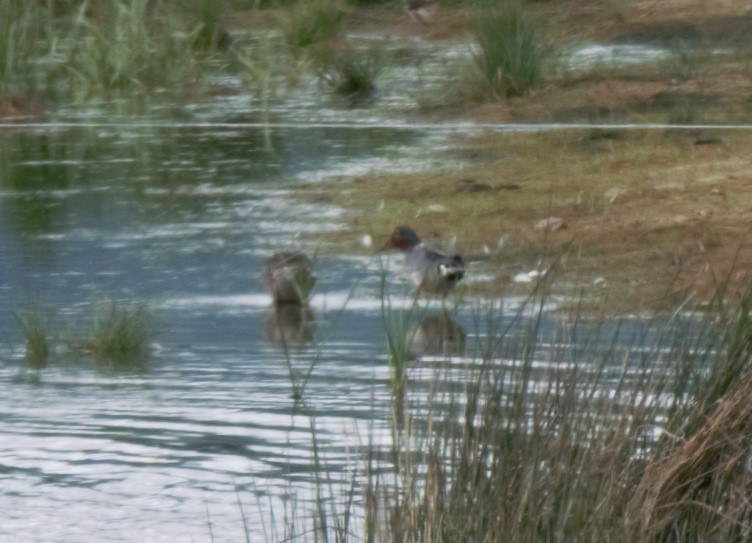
[348, 71]
[35, 329]
[116, 47]
[684, 59]
[117, 337]
[21, 33]
[128, 49]
[208, 16]
[509, 54]
[312, 22]
[120, 334]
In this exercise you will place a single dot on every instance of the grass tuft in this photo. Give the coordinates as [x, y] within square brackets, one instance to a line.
[509, 54]
[348, 71]
[569, 451]
[36, 339]
[121, 334]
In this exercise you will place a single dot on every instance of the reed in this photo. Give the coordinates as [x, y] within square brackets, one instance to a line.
[684, 111]
[128, 48]
[603, 444]
[22, 31]
[568, 428]
[207, 18]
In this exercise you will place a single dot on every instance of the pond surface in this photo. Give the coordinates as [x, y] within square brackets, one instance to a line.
[184, 219]
[208, 443]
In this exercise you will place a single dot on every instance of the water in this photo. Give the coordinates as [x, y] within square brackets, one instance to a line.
[209, 441]
[211, 432]
[84, 213]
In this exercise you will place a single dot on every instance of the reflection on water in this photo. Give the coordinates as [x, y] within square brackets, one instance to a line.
[614, 55]
[186, 219]
[436, 334]
[290, 325]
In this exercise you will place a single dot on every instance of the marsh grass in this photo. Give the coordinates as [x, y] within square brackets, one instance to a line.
[569, 175]
[572, 427]
[36, 334]
[128, 48]
[509, 53]
[567, 454]
[116, 338]
[22, 31]
[120, 335]
[207, 17]
[684, 112]
[312, 22]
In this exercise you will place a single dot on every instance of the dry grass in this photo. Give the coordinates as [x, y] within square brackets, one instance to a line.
[658, 215]
[702, 486]
[715, 86]
[697, 485]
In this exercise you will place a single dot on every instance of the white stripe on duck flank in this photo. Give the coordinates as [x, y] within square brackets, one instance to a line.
[430, 269]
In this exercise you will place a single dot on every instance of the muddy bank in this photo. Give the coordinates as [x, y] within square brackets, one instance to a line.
[643, 219]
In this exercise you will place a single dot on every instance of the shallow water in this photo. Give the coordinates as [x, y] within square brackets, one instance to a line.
[208, 441]
[184, 220]
[209, 437]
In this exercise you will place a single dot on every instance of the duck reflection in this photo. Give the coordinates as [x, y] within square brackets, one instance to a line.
[290, 325]
[435, 334]
[289, 278]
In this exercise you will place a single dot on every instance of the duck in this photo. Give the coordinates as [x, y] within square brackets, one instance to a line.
[289, 277]
[430, 269]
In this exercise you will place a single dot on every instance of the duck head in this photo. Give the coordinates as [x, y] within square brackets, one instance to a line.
[403, 238]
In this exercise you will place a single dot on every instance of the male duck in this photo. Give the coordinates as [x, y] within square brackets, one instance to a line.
[430, 269]
[288, 276]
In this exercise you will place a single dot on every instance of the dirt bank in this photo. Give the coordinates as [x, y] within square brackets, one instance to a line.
[648, 218]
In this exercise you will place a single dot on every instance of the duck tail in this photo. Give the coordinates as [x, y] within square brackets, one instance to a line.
[452, 272]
